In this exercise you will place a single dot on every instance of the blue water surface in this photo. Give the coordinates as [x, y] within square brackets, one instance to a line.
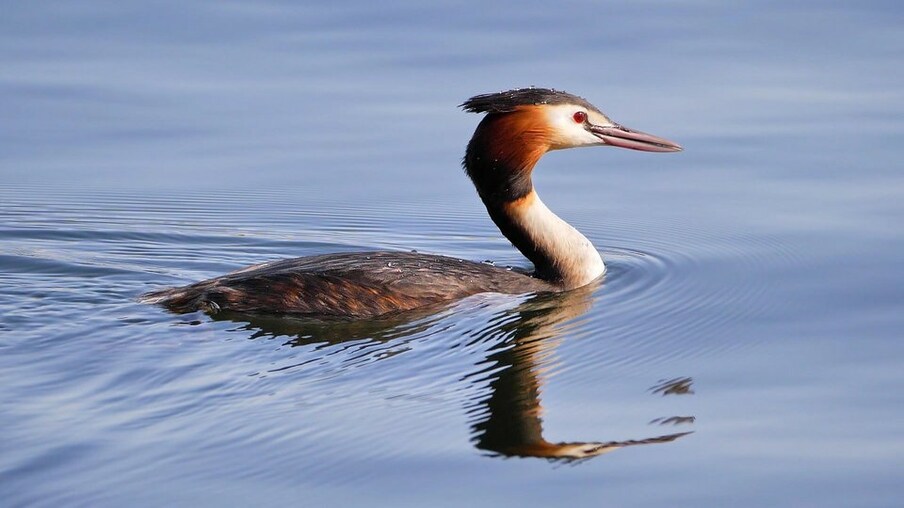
[744, 348]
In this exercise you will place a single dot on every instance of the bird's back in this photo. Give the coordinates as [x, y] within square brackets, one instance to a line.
[354, 285]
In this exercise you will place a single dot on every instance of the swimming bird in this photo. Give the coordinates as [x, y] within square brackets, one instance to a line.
[518, 128]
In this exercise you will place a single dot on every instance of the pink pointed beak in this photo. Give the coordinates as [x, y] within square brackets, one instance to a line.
[617, 135]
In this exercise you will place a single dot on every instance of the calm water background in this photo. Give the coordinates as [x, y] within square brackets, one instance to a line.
[143, 146]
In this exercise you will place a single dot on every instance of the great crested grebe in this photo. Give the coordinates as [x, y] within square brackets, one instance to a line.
[519, 127]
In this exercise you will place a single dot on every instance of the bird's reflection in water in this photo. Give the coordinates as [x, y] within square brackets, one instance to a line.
[508, 422]
[675, 386]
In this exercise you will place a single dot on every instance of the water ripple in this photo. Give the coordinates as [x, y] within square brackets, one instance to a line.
[669, 293]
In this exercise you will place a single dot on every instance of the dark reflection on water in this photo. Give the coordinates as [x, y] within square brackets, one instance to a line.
[309, 330]
[673, 420]
[509, 421]
[676, 386]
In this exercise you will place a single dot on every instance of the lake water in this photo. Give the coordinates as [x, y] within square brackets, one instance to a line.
[754, 293]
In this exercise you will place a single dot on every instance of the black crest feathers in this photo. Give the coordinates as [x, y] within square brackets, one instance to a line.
[505, 102]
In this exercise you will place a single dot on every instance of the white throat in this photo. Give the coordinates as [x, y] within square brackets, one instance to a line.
[569, 255]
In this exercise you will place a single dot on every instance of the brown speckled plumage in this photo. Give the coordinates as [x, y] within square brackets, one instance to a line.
[355, 284]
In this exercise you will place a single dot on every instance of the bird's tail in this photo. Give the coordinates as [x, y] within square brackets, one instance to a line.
[181, 300]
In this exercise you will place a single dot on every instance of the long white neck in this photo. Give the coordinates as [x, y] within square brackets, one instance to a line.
[499, 160]
[560, 253]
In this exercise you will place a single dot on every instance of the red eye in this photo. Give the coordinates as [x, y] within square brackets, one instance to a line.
[580, 117]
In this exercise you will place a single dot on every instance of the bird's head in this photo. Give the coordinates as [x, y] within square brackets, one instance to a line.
[541, 118]
[521, 125]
